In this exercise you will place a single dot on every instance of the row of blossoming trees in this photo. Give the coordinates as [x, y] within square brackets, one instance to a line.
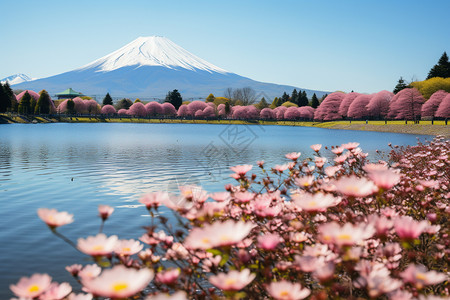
[316, 228]
[407, 104]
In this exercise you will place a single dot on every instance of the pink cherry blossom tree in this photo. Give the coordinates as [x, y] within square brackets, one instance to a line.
[32, 94]
[137, 109]
[108, 110]
[291, 113]
[183, 111]
[378, 106]
[239, 112]
[407, 105]
[209, 112]
[357, 108]
[346, 101]
[267, 113]
[195, 106]
[221, 110]
[443, 110]
[122, 112]
[430, 107]
[168, 109]
[154, 108]
[306, 112]
[252, 112]
[279, 112]
[328, 110]
[92, 106]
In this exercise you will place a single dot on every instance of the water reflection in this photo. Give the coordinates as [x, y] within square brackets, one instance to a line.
[75, 167]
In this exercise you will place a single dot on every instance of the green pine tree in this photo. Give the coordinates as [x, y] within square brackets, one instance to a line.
[314, 101]
[32, 105]
[441, 69]
[12, 106]
[137, 100]
[303, 99]
[174, 98]
[25, 104]
[227, 107]
[284, 98]
[400, 86]
[43, 103]
[70, 107]
[107, 100]
[294, 96]
[262, 104]
[5, 103]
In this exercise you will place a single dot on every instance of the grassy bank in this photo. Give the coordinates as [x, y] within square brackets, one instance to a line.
[424, 127]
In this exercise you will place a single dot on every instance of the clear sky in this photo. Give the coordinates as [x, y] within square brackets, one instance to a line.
[332, 45]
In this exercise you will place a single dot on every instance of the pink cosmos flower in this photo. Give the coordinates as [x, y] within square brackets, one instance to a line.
[331, 170]
[149, 240]
[347, 235]
[90, 271]
[293, 156]
[338, 150]
[407, 228]
[218, 234]
[74, 269]
[316, 147]
[97, 245]
[384, 179]
[269, 241]
[420, 276]
[193, 193]
[281, 168]
[350, 146]
[56, 291]
[233, 280]
[127, 247]
[375, 167]
[154, 199]
[105, 211]
[180, 295]
[320, 161]
[168, 276]
[341, 158]
[220, 196]
[325, 272]
[31, 287]
[375, 278]
[53, 218]
[304, 181]
[285, 290]
[80, 297]
[118, 282]
[315, 202]
[355, 186]
[241, 170]
[243, 197]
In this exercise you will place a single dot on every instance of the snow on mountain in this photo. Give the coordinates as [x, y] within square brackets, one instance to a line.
[152, 51]
[149, 67]
[16, 79]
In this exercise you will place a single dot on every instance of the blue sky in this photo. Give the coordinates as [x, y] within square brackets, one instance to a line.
[345, 45]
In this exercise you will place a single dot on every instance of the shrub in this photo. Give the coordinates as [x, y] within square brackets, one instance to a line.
[108, 110]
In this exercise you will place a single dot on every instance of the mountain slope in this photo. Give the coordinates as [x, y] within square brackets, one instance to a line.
[16, 79]
[149, 67]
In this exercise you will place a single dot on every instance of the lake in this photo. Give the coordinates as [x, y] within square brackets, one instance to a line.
[76, 167]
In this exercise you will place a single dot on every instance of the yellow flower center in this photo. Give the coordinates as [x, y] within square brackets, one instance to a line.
[205, 241]
[224, 238]
[421, 276]
[230, 281]
[284, 293]
[97, 247]
[352, 188]
[312, 203]
[119, 286]
[126, 249]
[34, 288]
[346, 237]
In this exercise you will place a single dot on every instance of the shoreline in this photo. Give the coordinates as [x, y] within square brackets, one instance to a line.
[423, 128]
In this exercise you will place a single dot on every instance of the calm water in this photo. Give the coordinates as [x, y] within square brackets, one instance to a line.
[75, 167]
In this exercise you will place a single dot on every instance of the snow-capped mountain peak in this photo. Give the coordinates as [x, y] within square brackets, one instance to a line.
[152, 51]
[16, 78]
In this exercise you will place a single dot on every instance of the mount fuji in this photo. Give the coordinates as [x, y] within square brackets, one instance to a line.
[149, 67]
